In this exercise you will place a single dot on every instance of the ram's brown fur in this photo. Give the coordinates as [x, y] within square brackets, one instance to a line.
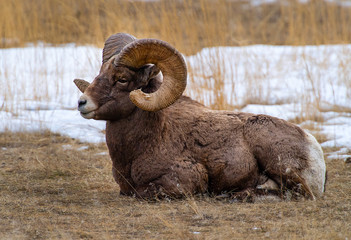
[188, 148]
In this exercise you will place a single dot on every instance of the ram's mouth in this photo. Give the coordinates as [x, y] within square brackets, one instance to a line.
[88, 115]
[87, 107]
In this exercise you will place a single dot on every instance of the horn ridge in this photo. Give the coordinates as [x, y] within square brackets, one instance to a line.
[114, 44]
[167, 59]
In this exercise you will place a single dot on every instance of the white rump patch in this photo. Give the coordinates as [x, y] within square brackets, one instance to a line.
[314, 175]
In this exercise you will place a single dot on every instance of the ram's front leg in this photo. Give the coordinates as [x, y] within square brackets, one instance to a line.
[182, 179]
[162, 187]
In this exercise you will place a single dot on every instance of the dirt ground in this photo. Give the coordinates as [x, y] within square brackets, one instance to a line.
[53, 187]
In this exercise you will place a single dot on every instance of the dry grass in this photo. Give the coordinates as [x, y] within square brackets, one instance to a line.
[190, 25]
[49, 189]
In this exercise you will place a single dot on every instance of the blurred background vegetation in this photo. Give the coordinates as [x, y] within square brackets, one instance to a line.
[188, 24]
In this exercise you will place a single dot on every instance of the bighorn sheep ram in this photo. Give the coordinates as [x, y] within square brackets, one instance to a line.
[164, 144]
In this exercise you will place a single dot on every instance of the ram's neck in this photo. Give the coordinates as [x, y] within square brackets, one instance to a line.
[126, 138]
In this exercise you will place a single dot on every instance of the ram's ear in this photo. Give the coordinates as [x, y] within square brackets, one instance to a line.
[151, 70]
[81, 84]
[147, 73]
[150, 82]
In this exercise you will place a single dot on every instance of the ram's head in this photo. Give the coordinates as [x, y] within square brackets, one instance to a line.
[146, 73]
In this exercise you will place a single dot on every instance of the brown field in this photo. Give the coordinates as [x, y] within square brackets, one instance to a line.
[52, 190]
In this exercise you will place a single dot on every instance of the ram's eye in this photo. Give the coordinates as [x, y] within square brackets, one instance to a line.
[121, 80]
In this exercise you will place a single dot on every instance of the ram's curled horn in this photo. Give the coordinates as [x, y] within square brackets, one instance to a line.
[167, 59]
[81, 84]
[114, 44]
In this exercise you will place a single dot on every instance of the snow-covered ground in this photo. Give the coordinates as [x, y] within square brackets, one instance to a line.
[312, 83]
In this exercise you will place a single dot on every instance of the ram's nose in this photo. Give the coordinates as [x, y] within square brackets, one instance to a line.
[86, 106]
[81, 103]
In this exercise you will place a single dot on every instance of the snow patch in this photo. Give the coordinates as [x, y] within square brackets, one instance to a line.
[282, 81]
